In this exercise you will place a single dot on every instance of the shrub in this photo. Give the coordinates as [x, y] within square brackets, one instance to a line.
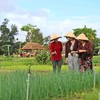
[43, 57]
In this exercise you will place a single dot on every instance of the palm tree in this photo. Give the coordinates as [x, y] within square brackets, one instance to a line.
[28, 28]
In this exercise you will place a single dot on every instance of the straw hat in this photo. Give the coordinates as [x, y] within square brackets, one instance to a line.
[82, 37]
[55, 36]
[70, 34]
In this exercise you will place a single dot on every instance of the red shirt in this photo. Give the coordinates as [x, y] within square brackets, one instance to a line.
[56, 46]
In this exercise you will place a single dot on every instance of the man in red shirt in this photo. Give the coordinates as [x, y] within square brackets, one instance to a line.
[55, 51]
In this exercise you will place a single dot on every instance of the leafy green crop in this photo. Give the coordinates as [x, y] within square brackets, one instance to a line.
[46, 86]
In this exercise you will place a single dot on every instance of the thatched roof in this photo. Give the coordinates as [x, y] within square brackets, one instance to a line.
[32, 46]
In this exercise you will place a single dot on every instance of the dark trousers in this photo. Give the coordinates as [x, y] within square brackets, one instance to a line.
[56, 63]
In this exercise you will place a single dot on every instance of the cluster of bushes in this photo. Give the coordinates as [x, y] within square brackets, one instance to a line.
[43, 57]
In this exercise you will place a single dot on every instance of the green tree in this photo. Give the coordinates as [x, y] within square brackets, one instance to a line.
[37, 36]
[46, 41]
[13, 33]
[33, 34]
[89, 32]
[28, 28]
[96, 44]
[7, 34]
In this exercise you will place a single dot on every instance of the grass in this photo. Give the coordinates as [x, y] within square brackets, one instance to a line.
[48, 86]
[33, 67]
[86, 95]
[96, 60]
[11, 63]
[92, 95]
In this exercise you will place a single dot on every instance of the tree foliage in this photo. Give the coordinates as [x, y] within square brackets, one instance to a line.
[33, 34]
[46, 40]
[96, 44]
[7, 35]
[89, 32]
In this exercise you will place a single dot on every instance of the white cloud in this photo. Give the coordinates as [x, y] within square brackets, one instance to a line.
[6, 6]
[46, 10]
[20, 17]
[86, 17]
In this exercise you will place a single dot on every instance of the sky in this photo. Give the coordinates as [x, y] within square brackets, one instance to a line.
[51, 16]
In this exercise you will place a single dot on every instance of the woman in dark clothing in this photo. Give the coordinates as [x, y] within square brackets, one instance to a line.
[85, 50]
[71, 51]
[56, 52]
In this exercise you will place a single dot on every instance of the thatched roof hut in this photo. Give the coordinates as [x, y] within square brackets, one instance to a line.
[32, 46]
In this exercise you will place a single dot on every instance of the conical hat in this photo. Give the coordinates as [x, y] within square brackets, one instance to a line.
[55, 36]
[70, 34]
[82, 37]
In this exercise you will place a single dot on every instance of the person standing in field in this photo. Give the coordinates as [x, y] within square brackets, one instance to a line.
[56, 52]
[71, 51]
[85, 50]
